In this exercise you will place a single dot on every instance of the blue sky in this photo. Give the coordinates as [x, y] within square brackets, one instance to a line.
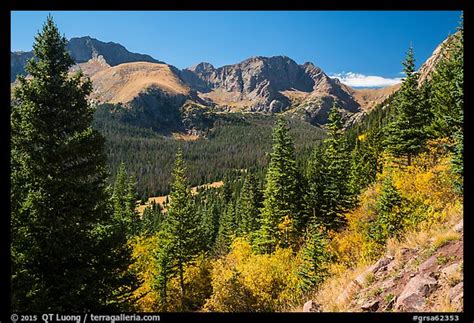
[361, 47]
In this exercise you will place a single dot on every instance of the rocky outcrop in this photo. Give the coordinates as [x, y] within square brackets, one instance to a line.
[426, 70]
[85, 48]
[412, 298]
[421, 279]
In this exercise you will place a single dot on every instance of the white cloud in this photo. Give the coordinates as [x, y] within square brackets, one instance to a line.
[361, 80]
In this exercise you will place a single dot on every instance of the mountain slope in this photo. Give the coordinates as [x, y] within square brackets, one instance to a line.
[83, 49]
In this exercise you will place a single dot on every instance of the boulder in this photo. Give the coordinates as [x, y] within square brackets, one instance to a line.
[456, 293]
[429, 265]
[311, 306]
[416, 290]
[370, 306]
[450, 270]
[381, 264]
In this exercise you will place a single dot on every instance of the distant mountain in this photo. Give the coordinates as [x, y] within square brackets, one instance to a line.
[17, 63]
[83, 49]
[269, 84]
[156, 93]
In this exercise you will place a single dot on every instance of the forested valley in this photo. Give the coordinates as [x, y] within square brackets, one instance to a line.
[300, 205]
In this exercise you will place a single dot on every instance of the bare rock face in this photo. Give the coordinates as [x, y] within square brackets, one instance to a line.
[311, 306]
[264, 81]
[83, 49]
[413, 296]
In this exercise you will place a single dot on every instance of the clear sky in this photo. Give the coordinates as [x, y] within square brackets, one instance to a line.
[358, 46]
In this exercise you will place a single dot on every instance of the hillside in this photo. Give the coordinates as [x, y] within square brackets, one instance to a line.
[419, 270]
[125, 82]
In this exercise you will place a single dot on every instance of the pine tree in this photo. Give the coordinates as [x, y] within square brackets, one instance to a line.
[152, 218]
[181, 227]
[389, 219]
[124, 201]
[68, 253]
[365, 162]
[407, 133]
[249, 205]
[316, 256]
[282, 194]
[316, 178]
[227, 230]
[336, 197]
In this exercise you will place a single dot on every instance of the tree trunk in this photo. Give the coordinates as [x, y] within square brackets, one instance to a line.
[409, 159]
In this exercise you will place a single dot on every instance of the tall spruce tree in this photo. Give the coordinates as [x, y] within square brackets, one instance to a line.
[227, 229]
[68, 253]
[315, 178]
[124, 199]
[249, 205]
[181, 228]
[407, 133]
[333, 184]
[365, 162]
[282, 194]
[313, 269]
[389, 221]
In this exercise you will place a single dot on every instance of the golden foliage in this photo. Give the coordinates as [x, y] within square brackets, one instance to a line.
[243, 281]
[144, 265]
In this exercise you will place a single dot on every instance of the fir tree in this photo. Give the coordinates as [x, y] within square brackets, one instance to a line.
[365, 162]
[124, 201]
[152, 218]
[315, 177]
[227, 230]
[407, 133]
[389, 221]
[313, 269]
[249, 205]
[68, 253]
[282, 194]
[335, 195]
[181, 227]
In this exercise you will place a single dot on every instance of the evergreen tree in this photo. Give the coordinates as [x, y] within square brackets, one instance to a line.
[335, 194]
[407, 133]
[152, 218]
[315, 177]
[209, 207]
[389, 221]
[124, 201]
[313, 269]
[249, 205]
[282, 195]
[68, 253]
[448, 98]
[365, 162]
[181, 227]
[227, 230]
